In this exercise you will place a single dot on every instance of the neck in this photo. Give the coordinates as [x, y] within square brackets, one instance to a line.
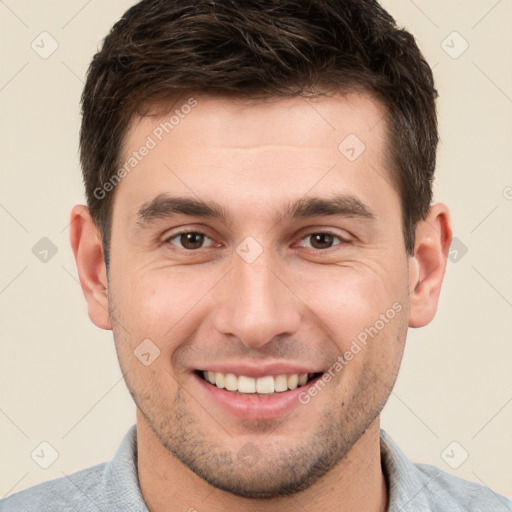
[356, 483]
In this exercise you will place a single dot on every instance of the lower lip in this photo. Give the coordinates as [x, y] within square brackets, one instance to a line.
[263, 407]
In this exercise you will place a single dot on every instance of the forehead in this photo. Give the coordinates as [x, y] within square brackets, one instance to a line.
[256, 152]
[244, 123]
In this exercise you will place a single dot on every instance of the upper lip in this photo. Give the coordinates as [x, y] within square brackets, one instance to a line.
[259, 370]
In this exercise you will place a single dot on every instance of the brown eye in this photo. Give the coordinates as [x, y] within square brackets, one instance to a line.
[192, 240]
[322, 240]
[188, 240]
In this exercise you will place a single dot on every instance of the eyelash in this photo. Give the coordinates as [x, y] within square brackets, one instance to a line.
[176, 235]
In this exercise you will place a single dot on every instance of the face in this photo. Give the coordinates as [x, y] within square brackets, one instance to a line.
[280, 273]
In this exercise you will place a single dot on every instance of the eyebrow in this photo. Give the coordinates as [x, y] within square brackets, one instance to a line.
[164, 206]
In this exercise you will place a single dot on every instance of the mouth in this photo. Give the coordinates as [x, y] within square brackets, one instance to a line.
[268, 385]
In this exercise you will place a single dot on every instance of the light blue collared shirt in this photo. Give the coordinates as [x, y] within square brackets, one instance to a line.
[114, 487]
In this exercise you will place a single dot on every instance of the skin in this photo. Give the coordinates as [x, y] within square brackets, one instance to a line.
[292, 304]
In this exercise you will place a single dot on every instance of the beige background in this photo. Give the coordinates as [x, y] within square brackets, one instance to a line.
[59, 378]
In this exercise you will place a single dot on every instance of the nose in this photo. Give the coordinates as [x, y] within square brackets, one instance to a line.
[255, 303]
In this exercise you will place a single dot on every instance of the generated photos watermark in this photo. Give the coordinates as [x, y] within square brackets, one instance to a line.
[358, 344]
[152, 141]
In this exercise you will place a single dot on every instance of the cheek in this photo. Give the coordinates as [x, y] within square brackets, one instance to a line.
[349, 299]
[161, 304]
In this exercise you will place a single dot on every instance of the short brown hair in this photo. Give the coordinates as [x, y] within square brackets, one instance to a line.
[161, 49]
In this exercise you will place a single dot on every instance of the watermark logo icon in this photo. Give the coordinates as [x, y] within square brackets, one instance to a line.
[457, 250]
[454, 455]
[44, 455]
[454, 45]
[146, 352]
[351, 147]
[248, 455]
[44, 250]
[44, 45]
[249, 250]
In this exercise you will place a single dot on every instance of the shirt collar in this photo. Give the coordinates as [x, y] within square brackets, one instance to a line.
[405, 487]
[121, 480]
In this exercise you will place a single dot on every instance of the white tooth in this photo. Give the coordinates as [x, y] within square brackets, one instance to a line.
[231, 382]
[293, 381]
[281, 383]
[219, 380]
[246, 384]
[265, 384]
[210, 377]
[303, 378]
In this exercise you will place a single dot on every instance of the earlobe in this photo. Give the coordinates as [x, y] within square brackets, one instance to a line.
[88, 251]
[428, 264]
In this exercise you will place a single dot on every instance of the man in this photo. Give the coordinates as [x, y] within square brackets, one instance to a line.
[259, 236]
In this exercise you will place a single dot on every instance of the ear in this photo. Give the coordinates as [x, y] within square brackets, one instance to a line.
[428, 264]
[90, 262]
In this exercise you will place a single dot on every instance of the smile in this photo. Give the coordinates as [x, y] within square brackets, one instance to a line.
[266, 385]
